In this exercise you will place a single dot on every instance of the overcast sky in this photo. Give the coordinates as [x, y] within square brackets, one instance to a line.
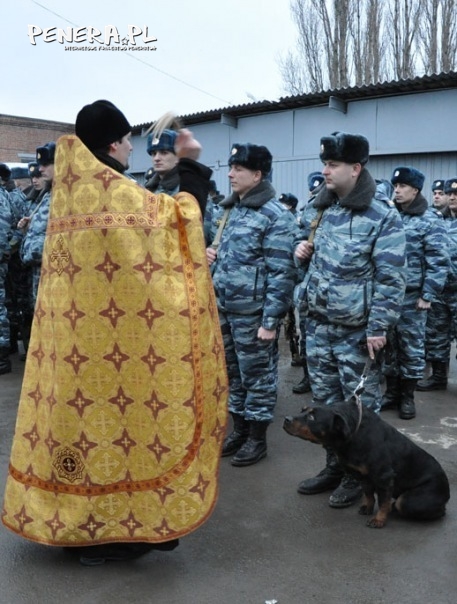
[209, 54]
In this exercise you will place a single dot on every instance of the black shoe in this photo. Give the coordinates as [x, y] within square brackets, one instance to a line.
[255, 448]
[407, 410]
[431, 383]
[236, 439]
[349, 491]
[96, 555]
[250, 453]
[326, 480]
[392, 396]
[302, 387]
[437, 380]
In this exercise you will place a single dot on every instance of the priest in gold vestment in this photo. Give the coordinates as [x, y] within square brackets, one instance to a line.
[123, 405]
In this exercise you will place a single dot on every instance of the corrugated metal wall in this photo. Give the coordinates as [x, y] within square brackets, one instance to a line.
[291, 176]
[408, 129]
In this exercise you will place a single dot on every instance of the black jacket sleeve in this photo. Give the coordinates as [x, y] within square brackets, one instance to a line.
[194, 179]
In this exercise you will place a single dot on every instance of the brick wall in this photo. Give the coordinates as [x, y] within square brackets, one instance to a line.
[23, 135]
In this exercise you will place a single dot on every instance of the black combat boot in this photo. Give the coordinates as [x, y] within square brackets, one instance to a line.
[303, 386]
[392, 396]
[255, 448]
[407, 408]
[236, 439]
[5, 363]
[438, 379]
[349, 491]
[327, 479]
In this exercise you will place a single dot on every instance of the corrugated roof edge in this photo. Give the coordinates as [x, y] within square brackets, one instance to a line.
[381, 89]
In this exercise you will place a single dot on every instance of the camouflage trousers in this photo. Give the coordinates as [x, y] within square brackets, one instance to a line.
[405, 350]
[4, 321]
[336, 358]
[252, 367]
[441, 327]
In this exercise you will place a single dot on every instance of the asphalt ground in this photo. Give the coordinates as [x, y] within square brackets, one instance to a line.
[264, 542]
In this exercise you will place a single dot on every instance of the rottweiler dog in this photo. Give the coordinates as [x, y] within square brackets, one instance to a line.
[389, 465]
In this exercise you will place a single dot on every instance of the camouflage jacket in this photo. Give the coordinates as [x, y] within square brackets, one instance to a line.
[451, 226]
[212, 220]
[356, 276]
[31, 250]
[254, 272]
[18, 202]
[17, 198]
[427, 249]
[7, 223]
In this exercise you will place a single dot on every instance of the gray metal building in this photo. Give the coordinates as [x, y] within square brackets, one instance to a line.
[410, 122]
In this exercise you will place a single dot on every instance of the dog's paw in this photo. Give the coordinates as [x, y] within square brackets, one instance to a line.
[376, 523]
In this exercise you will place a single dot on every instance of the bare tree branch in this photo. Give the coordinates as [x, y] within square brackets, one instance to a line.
[355, 42]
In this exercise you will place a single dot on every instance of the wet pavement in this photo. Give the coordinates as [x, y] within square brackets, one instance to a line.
[264, 541]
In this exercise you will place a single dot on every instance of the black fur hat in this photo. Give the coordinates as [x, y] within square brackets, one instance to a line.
[34, 170]
[100, 124]
[5, 172]
[253, 157]
[289, 200]
[166, 142]
[45, 154]
[314, 180]
[438, 185]
[407, 175]
[348, 148]
[450, 186]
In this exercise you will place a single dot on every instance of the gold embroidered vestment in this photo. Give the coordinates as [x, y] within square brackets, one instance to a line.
[123, 404]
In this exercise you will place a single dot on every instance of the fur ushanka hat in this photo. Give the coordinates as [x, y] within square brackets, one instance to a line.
[438, 185]
[45, 154]
[166, 142]
[348, 148]
[253, 157]
[407, 175]
[450, 186]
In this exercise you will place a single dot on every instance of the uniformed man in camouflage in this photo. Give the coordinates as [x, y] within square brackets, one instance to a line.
[17, 197]
[13, 302]
[165, 178]
[23, 274]
[168, 169]
[428, 264]
[315, 183]
[7, 224]
[254, 276]
[352, 291]
[36, 222]
[441, 326]
[290, 202]
[440, 197]
[213, 213]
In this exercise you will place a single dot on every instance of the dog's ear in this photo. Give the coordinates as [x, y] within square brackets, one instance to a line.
[340, 427]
